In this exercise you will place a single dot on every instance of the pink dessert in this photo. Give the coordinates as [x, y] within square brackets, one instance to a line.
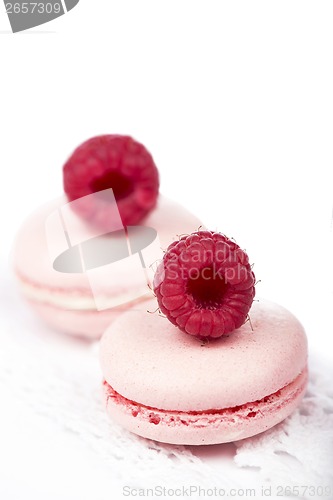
[83, 259]
[66, 300]
[202, 373]
[165, 385]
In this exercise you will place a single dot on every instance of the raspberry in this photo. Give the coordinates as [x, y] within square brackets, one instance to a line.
[205, 284]
[117, 162]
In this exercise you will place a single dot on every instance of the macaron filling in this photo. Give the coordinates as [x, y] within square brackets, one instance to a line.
[75, 299]
[252, 410]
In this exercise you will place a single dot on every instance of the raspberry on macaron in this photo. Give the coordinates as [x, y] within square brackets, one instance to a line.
[205, 284]
[118, 162]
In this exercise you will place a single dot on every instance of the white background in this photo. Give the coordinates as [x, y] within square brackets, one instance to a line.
[235, 102]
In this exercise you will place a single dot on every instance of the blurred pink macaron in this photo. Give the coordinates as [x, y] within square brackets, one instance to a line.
[163, 384]
[83, 299]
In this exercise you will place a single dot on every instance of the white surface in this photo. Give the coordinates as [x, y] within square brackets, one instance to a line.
[57, 442]
[234, 100]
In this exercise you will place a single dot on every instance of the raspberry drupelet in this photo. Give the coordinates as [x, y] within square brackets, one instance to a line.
[118, 162]
[205, 284]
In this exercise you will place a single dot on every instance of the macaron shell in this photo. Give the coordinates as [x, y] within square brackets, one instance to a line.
[33, 263]
[148, 360]
[89, 324]
[65, 300]
[207, 428]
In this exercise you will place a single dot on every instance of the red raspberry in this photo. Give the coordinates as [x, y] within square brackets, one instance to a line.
[205, 284]
[117, 162]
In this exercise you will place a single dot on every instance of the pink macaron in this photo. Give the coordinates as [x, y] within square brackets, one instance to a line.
[85, 301]
[163, 384]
